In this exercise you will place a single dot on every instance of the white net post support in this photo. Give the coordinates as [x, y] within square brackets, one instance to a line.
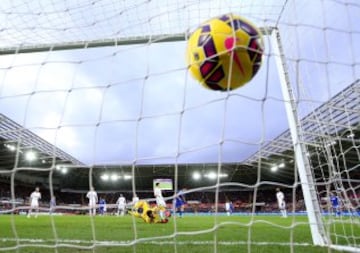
[302, 161]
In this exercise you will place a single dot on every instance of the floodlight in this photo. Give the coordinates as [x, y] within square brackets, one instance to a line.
[211, 175]
[274, 168]
[105, 177]
[10, 147]
[127, 177]
[30, 156]
[196, 175]
[114, 177]
[281, 165]
[350, 135]
[64, 170]
[331, 143]
[223, 175]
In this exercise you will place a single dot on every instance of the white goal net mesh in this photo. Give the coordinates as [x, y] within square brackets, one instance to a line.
[98, 94]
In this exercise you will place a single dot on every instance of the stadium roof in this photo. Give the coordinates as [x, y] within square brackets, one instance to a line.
[331, 130]
[337, 118]
[18, 144]
[12, 133]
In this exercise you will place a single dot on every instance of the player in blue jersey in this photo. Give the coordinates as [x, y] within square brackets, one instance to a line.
[335, 204]
[102, 206]
[52, 205]
[180, 202]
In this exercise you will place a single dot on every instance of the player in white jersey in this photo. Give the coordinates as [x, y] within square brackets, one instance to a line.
[160, 202]
[229, 207]
[281, 202]
[135, 199]
[93, 199]
[121, 204]
[34, 202]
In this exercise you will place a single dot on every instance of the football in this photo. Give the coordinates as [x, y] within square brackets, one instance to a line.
[225, 52]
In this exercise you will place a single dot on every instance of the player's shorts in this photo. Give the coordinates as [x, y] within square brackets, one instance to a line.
[34, 204]
[160, 201]
[282, 205]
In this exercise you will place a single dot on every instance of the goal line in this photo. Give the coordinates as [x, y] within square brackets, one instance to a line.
[70, 242]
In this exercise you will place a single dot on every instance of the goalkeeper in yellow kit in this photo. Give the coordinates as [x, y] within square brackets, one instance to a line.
[149, 214]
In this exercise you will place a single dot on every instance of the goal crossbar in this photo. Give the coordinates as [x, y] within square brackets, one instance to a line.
[132, 40]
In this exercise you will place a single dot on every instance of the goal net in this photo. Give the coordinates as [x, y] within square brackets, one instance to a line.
[98, 94]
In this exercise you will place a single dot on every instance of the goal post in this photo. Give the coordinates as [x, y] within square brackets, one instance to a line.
[312, 204]
[308, 184]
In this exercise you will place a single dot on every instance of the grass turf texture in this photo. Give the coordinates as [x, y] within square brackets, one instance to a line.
[110, 234]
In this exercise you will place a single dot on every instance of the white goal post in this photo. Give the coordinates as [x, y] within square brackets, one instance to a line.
[307, 182]
[102, 80]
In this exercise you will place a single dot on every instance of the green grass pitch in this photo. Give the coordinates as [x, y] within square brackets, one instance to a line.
[110, 234]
